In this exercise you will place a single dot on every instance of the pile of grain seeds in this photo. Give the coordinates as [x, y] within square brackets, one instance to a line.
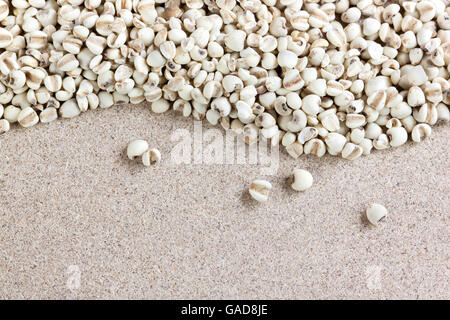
[336, 76]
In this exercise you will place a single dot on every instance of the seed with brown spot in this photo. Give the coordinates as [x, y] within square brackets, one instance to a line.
[260, 189]
[6, 38]
[28, 117]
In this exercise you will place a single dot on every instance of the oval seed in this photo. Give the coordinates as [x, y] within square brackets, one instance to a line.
[420, 131]
[302, 180]
[11, 113]
[27, 117]
[4, 126]
[151, 157]
[392, 75]
[5, 38]
[375, 213]
[69, 109]
[136, 148]
[260, 189]
[397, 136]
[49, 114]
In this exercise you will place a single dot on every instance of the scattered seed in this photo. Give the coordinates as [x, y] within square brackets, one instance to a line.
[151, 157]
[375, 213]
[260, 189]
[136, 148]
[302, 180]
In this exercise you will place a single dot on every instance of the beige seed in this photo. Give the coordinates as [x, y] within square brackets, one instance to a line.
[416, 76]
[4, 10]
[49, 114]
[27, 117]
[265, 120]
[160, 106]
[371, 26]
[72, 45]
[287, 59]
[36, 39]
[268, 43]
[53, 83]
[416, 97]
[433, 93]
[231, 83]
[136, 148]
[69, 109]
[377, 100]
[307, 134]
[443, 112]
[381, 142]
[318, 18]
[151, 157]
[260, 189]
[168, 50]
[318, 87]
[427, 113]
[212, 116]
[420, 131]
[302, 180]
[68, 63]
[294, 149]
[354, 120]
[288, 138]
[337, 37]
[11, 113]
[16, 79]
[4, 126]
[95, 44]
[235, 40]
[315, 147]
[335, 143]
[351, 151]
[329, 120]
[6, 38]
[106, 99]
[297, 121]
[334, 88]
[366, 145]
[375, 213]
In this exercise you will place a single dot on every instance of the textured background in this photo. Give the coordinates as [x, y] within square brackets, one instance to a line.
[73, 207]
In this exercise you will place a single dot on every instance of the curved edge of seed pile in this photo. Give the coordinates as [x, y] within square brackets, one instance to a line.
[339, 77]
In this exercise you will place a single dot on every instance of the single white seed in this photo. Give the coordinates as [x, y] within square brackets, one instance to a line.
[397, 136]
[302, 180]
[375, 213]
[4, 126]
[11, 113]
[69, 109]
[136, 148]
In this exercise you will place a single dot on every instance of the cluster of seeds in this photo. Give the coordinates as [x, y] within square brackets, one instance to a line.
[336, 76]
[139, 148]
[301, 181]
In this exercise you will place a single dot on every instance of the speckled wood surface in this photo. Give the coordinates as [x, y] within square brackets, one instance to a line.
[79, 220]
